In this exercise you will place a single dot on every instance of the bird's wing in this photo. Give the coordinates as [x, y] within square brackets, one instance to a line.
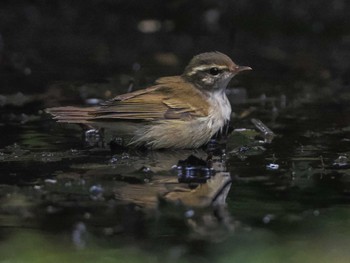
[162, 101]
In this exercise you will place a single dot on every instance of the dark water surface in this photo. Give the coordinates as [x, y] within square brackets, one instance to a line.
[66, 198]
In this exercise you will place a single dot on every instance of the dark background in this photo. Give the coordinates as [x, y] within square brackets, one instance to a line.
[55, 184]
[294, 47]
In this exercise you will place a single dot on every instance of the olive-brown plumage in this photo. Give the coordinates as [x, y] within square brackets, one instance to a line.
[176, 112]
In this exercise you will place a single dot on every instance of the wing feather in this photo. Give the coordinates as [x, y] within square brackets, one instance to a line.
[161, 101]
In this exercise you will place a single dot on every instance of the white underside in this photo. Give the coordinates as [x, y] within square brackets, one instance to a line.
[186, 134]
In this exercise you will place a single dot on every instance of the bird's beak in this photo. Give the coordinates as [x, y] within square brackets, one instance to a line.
[237, 69]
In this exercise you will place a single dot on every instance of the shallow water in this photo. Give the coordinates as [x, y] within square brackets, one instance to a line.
[267, 200]
[281, 197]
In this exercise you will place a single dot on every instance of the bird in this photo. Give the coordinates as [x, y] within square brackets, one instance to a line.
[180, 112]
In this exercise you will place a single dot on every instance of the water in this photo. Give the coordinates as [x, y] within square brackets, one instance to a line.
[288, 195]
[276, 190]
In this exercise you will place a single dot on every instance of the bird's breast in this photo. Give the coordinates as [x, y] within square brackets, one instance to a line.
[220, 111]
[186, 133]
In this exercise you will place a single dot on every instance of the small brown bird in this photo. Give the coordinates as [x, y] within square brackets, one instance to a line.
[176, 112]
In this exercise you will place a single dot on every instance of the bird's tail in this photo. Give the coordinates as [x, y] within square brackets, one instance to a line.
[71, 114]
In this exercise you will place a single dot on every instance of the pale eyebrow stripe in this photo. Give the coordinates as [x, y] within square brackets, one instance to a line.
[205, 67]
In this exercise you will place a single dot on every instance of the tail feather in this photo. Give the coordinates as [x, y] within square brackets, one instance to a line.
[71, 114]
[88, 117]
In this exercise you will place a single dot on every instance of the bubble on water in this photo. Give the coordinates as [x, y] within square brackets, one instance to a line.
[79, 235]
[87, 215]
[96, 192]
[125, 156]
[74, 151]
[189, 213]
[108, 231]
[272, 166]
[267, 218]
[50, 181]
[51, 209]
[82, 182]
[146, 170]
[68, 184]
[341, 161]
[149, 26]
[93, 101]
[114, 159]
[92, 137]
[316, 212]
[37, 187]
[24, 118]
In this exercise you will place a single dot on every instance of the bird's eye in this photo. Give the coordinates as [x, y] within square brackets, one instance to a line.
[214, 71]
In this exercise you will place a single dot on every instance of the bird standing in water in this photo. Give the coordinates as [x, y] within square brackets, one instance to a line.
[180, 112]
